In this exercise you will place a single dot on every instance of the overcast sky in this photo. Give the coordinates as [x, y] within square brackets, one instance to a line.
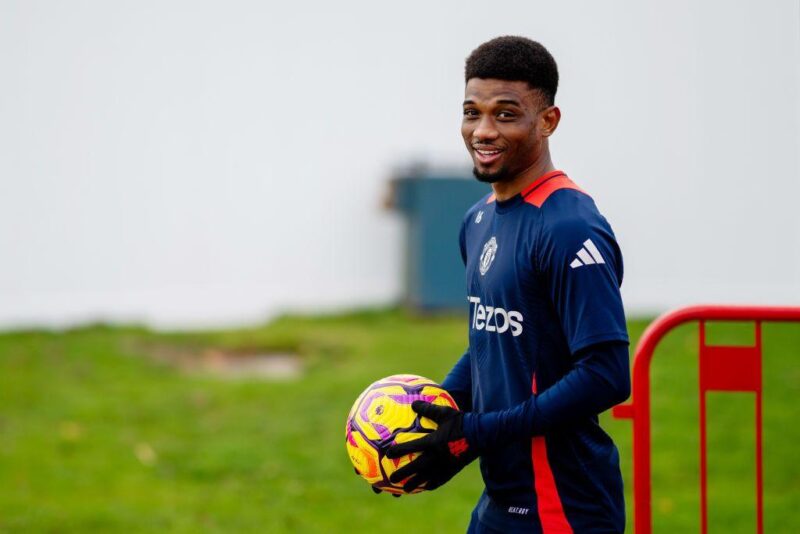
[193, 163]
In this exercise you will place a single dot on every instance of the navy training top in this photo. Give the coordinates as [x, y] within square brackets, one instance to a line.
[547, 353]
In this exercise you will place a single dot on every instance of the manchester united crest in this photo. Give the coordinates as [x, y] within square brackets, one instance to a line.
[487, 256]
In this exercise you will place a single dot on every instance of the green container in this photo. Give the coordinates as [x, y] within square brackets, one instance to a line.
[434, 206]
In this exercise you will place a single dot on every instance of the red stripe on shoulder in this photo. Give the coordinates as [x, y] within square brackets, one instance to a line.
[543, 190]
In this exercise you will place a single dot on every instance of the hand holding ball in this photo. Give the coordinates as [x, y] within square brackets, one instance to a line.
[382, 417]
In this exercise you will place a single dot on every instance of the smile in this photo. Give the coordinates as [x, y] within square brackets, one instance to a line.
[487, 156]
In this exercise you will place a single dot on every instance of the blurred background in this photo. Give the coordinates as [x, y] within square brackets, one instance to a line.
[200, 163]
[225, 181]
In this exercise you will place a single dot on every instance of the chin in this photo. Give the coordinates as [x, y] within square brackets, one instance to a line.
[500, 175]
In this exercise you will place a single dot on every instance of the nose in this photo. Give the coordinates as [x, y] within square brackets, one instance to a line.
[485, 130]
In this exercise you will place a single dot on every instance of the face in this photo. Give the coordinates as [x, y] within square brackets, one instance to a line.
[505, 127]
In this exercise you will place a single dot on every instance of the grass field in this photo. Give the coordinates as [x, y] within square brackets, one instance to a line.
[96, 435]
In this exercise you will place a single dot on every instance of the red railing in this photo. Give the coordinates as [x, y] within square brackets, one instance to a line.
[722, 368]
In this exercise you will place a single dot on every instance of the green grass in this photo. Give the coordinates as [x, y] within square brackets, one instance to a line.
[96, 436]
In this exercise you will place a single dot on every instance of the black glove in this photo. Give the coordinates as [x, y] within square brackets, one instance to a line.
[445, 451]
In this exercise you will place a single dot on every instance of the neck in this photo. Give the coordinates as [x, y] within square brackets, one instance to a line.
[506, 190]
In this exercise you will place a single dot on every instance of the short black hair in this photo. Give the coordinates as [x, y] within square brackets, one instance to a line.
[514, 58]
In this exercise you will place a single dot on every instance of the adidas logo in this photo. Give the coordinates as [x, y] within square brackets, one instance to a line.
[587, 255]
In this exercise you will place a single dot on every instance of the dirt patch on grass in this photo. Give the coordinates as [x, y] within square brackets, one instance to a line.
[233, 365]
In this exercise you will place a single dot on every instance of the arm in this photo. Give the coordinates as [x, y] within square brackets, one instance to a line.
[599, 380]
[458, 383]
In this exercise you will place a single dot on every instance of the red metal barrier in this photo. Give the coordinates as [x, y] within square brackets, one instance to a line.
[722, 368]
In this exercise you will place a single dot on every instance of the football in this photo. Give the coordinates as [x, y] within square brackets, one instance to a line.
[381, 417]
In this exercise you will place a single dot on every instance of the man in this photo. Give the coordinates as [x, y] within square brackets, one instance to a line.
[547, 335]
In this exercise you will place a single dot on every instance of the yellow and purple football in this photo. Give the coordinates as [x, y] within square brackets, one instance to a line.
[381, 417]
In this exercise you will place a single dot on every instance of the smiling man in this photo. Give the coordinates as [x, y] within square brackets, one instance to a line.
[547, 336]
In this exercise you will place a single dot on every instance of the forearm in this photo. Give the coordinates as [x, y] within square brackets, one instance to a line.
[599, 380]
[458, 383]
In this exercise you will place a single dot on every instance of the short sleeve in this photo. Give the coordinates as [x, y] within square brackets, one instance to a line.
[581, 263]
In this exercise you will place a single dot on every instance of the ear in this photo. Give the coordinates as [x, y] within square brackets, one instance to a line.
[548, 120]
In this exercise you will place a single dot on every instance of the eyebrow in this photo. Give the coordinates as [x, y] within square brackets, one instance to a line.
[501, 101]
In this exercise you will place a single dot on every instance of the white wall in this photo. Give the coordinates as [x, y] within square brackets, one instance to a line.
[187, 163]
